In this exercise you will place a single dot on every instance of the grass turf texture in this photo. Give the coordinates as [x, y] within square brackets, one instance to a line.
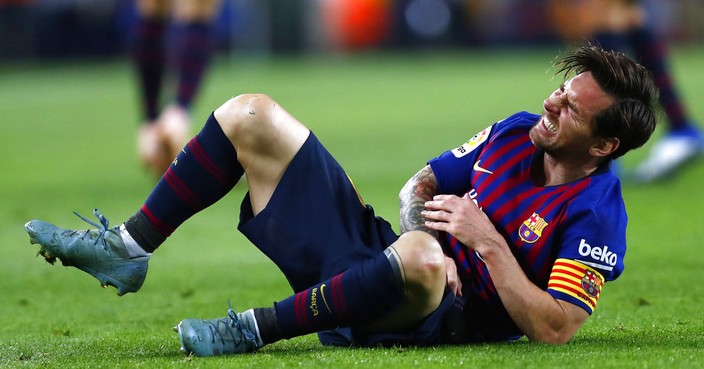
[68, 144]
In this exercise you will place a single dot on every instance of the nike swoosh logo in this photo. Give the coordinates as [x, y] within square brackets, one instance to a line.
[324, 300]
[480, 169]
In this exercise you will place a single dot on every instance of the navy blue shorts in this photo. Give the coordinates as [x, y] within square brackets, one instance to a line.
[315, 226]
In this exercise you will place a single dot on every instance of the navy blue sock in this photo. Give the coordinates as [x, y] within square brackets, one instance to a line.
[192, 47]
[651, 52]
[147, 49]
[362, 294]
[204, 171]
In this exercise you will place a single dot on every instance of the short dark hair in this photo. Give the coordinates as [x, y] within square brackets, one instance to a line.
[633, 117]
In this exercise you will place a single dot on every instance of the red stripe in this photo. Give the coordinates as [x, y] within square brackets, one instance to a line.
[300, 308]
[500, 153]
[182, 190]
[563, 279]
[568, 288]
[206, 162]
[512, 160]
[571, 274]
[570, 266]
[570, 193]
[337, 296]
[160, 226]
[564, 196]
[577, 293]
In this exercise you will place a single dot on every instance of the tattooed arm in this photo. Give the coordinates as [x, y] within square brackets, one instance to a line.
[419, 189]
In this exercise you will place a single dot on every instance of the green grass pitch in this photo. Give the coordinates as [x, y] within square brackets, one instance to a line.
[67, 143]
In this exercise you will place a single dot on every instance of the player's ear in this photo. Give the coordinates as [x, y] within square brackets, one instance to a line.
[604, 147]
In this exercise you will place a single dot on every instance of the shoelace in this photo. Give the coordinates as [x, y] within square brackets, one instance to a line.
[103, 227]
[233, 321]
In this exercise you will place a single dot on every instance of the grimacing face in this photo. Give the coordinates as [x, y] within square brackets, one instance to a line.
[565, 130]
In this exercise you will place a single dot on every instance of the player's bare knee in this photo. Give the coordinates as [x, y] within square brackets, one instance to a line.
[245, 116]
[422, 259]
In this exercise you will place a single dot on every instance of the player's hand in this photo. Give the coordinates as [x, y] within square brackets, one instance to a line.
[453, 280]
[460, 217]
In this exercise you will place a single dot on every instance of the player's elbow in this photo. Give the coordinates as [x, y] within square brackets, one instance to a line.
[552, 336]
[557, 326]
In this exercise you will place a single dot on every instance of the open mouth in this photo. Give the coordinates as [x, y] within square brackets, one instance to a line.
[549, 125]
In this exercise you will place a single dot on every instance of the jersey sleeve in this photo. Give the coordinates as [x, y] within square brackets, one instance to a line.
[453, 168]
[576, 283]
[592, 247]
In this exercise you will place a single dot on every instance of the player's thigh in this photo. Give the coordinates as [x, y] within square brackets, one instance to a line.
[196, 10]
[266, 138]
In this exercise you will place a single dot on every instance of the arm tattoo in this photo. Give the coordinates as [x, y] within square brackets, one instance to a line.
[419, 189]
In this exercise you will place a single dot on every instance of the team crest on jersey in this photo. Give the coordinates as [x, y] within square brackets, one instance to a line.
[532, 228]
[592, 283]
[472, 144]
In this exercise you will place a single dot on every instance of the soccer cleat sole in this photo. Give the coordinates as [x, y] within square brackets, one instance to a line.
[140, 264]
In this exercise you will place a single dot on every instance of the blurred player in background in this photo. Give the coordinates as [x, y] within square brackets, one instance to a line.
[623, 25]
[171, 38]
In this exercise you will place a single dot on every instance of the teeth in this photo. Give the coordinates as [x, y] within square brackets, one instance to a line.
[551, 127]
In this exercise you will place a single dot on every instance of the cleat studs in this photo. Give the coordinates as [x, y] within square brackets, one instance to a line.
[51, 259]
[175, 328]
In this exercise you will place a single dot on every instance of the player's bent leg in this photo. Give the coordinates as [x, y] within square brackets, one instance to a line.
[422, 263]
[266, 138]
[108, 254]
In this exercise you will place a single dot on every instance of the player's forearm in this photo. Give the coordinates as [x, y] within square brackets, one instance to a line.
[419, 189]
[537, 313]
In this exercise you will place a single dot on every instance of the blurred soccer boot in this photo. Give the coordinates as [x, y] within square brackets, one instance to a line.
[152, 148]
[234, 334]
[99, 252]
[669, 153]
[175, 126]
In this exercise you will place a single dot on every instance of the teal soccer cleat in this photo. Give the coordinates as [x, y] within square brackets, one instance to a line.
[99, 252]
[233, 334]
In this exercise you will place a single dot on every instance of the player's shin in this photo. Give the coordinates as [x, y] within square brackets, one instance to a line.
[203, 172]
[360, 295]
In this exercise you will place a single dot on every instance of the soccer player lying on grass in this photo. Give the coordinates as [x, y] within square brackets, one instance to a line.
[513, 233]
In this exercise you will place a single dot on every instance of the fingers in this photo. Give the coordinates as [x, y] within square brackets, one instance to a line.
[439, 212]
[440, 202]
[442, 207]
[453, 281]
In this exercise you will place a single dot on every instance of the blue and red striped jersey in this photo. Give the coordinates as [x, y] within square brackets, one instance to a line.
[568, 238]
